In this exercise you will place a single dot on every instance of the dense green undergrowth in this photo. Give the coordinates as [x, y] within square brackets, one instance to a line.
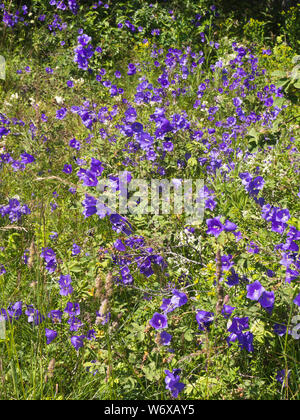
[104, 304]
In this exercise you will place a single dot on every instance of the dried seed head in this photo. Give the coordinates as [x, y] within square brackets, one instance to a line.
[157, 339]
[98, 287]
[145, 357]
[169, 359]
[103, 307]
[32, 252]
[147, 329]
[51, 368]
[108, 285]
[108, 373]
[226, 299]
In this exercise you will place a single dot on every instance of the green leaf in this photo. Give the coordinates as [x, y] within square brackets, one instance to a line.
[279, 73]
[192, 161]
[188, 335]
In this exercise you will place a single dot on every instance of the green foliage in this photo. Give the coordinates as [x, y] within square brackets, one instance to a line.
[127, 359]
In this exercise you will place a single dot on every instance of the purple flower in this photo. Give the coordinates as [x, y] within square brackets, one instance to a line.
[4, 131]
[229, 226]
[84, 40]
[165, 338]
[73, 6]
[96, 167]
[246, 341]
[282, 376]
[172, 382]
[77, 341]
[279, 329]
[61, 113]
[34, 315]
[204, 319]
[254, 290]
[159, 321]
[227, 310]
[231, 121]
[89, 205]
[75, 144]
[88, 178]
[255, 185]
[215, 226]
[267, 300]
[233, 279]
[237, 101]
[50, 335]
[118, 244]
[131, 69]
[53, 236]
[51, 266]
[227, 262]
[75, 323]
[297, 300]
[72, 309]
[55, 316]
[168, 146]
[26, 158]
[25, 256]
[253, 248]
[65, 285]
[166, 305]
[15, 310]
[14, 210]
[137, 127]
[178, 299]
[130, 115]
[49, 256]
[75, 249]
[67, 169]
[238, 325]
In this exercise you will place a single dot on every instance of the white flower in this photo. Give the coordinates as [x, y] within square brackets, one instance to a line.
[59, 99]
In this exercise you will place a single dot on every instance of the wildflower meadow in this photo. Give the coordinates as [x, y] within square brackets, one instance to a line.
[149, 200]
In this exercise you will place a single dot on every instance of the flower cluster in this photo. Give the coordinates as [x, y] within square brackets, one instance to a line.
[14, 312]
[14, 209]
[236, 328]
[176, 118]
[12, 19]
[172, 382]
[255, 291]
[83, 52]
[50, 258]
